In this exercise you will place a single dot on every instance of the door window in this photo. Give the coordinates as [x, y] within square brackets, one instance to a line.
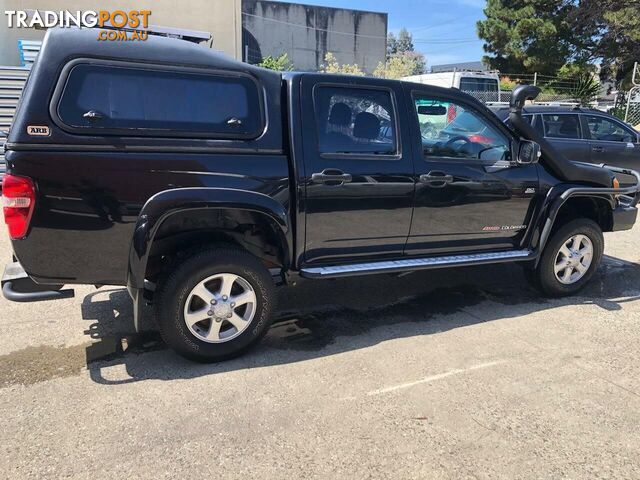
[561, 126]
[604, 129]
[450, 129]
[355, 121]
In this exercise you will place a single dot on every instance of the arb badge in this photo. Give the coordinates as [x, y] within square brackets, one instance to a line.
[38, 130]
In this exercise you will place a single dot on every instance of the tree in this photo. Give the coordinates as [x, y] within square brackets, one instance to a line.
[528, 35]
[547, 36]
[401, 65]
[392, 45]
[405, 41]
[402, 60]
[331, 65]
[586, 89]
[610, 30]
[280, 63]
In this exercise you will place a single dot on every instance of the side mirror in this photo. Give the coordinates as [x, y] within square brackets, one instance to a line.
[528, 152]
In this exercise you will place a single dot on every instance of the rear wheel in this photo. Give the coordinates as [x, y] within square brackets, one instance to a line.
[570, 258]
[216, 304]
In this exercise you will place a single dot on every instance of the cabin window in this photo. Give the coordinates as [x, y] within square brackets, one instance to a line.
[358, 121]
[561, 126]
[169, 102]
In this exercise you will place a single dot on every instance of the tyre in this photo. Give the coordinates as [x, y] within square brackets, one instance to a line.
[570, 258]
[216, 304]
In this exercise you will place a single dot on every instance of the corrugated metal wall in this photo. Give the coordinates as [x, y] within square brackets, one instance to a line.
[12, 80]
[29, 50]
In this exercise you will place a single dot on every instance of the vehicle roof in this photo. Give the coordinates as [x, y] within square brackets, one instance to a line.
[503, 112]
[72, 42]
[432, 89]
[61, 46]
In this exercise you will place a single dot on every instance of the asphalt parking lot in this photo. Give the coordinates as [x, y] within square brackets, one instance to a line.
[464, 373]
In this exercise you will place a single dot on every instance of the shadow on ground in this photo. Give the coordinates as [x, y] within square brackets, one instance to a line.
[332, 316]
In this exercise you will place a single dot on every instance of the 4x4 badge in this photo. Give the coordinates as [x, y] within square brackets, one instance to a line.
[38, 130]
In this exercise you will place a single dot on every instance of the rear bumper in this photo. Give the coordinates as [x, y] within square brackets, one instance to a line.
[17, 286]
[624, 217]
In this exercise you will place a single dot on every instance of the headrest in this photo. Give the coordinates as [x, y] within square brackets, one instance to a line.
[366, 125]
[340, 115]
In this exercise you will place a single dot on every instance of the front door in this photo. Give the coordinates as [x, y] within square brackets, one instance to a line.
[470, 195]
[358, 171]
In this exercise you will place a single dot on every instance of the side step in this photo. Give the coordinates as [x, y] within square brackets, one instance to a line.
[410, 264]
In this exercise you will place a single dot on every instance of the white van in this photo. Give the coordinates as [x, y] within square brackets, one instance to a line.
[483, 85]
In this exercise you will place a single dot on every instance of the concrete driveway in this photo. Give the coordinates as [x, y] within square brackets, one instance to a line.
[464, 373]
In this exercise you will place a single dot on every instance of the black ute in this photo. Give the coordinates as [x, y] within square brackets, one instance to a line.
[202, 183]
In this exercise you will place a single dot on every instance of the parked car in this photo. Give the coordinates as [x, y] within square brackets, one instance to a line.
[202, 183]
[585, 135]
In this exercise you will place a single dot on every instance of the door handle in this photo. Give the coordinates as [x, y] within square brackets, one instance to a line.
[439, 178]
[331, 175]
[92, 115]
[597, 149]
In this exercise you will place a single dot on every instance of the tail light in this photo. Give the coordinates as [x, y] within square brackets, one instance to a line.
[18, 201]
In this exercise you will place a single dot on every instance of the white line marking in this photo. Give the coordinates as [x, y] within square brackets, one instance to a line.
[434, 377]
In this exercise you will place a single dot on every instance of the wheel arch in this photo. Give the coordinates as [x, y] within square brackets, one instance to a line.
[562, 208]
[597, 208]
[179, 220]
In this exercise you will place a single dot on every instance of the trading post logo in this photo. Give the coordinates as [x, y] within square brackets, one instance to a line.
[133, 22]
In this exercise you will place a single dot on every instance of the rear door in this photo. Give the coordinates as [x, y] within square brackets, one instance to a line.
[563, 131]
[470, 196]
[358, 171]
[612, 142]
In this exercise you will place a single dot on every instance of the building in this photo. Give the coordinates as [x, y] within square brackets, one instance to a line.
[247, 30]
[307, 33]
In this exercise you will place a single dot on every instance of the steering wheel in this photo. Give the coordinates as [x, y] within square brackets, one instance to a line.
[449, 143]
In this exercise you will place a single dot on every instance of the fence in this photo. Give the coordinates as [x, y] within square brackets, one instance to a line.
[503, 97]
[632, 107]
[12, 81]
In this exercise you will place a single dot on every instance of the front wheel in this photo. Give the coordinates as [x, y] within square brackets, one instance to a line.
[570, 258]
[216, 304]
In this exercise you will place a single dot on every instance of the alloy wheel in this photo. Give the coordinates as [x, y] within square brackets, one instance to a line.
[220, 308]
[573, 259]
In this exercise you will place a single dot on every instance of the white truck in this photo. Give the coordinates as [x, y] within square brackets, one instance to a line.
[483, 85]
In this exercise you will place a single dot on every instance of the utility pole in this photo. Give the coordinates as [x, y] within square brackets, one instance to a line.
[632, 92]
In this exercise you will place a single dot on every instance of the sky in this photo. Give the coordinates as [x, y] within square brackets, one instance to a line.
[443, 30]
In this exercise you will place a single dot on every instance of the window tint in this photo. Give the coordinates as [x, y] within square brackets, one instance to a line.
[561, 126]
[182, 102]
[355, 120]
[602, 128]
[451, 130]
